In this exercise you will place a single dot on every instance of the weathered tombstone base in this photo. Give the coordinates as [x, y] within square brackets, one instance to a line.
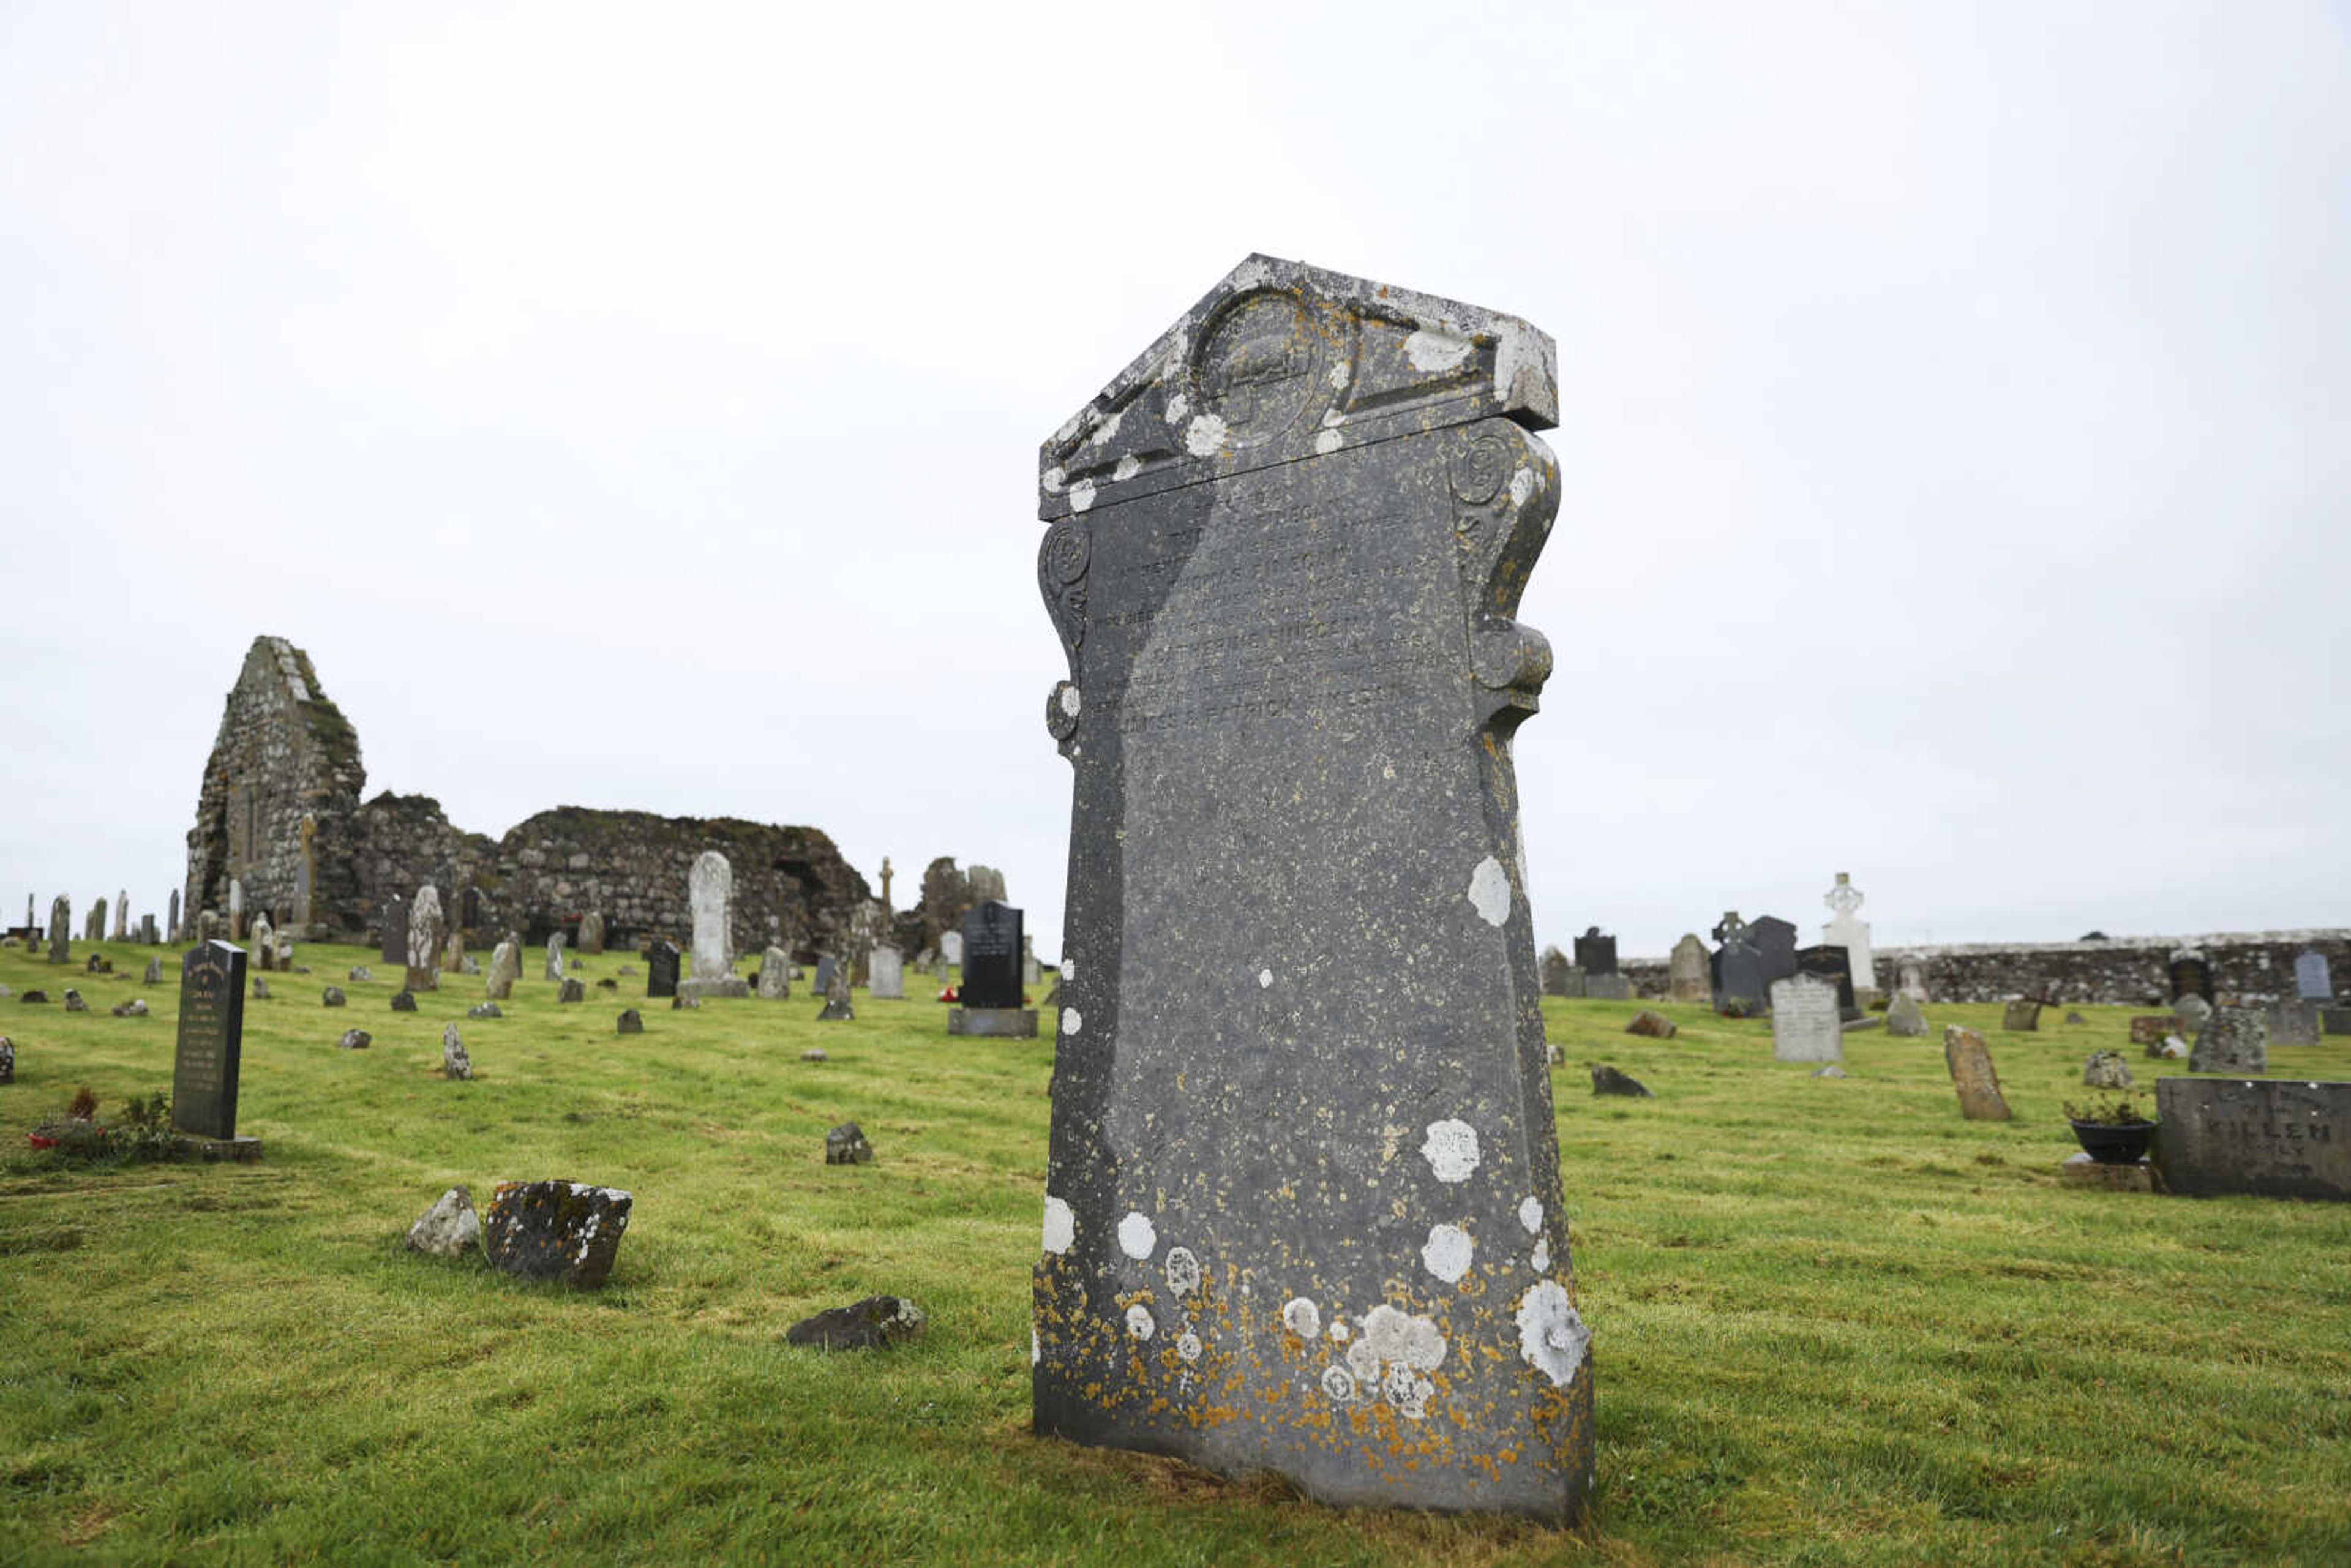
[734, 986]
[243, 1148]
[2081, 1170]
[994, 1023]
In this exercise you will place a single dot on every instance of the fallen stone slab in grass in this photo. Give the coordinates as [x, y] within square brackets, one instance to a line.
[566, 1231]
[1654, 1025]
[877, 1323]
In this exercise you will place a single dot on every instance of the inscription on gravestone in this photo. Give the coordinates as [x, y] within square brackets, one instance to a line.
[211, 1041]
[2272, 1137]
[1284, 553]
[991, 956]
[1805, 1021]
[1834, 964]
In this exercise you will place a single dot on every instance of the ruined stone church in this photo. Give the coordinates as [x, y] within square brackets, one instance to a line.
[280, 815]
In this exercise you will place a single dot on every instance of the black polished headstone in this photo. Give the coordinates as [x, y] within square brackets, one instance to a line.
[991, 957]
[1595, 954]
[1831, 962]
[2190, 976]
[661, 969]
[1303, 1210]
[395, 931]
[2270, 1137]
[1774, 941]
[211, 1042]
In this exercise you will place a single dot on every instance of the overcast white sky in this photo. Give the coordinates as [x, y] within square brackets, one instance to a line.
[639, 408]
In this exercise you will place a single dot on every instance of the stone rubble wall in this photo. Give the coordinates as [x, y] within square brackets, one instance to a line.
[2246, 966]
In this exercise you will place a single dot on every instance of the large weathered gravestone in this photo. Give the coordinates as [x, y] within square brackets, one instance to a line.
[661, 969]
[265, 940]
[2268, 1137]
[1595, 954]
[172, 919]
[710, 889]
[1774, 941]
[1686, 971]
[1905, 1017]
[1805, 1022]
[2292, 1023]
[60, 937]
[1969, 1059]
[1284, 551]
[1850, 931]
[1554, 969]
[122, 915]
[2313, 982]
[2234, 1039]
[395, 931]
[591, 933]
[505, 967]
[552, 968]
[424, 940]
[2190, 977]
[887, 967]
[775, 975]
[211, 1043]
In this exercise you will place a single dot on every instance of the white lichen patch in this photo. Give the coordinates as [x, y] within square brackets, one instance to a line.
[1204, 436]
[1539, 1258]
[1069, 965]
[1338, 375]
[1451, 1149]
[1183, 1271]
[1339, 1384]
[1302, 1317]
[1489, 891]
[1264, 979]
[1435, 349]
[1364, 1361]
[1082, 495]
[1522, 485]
[1188, 1345]
[1338, 1331]
[1175, 407]
[1036, 1346]
[1136, 1238]
[1072, 1020]
[1530, 1214]
[1327, 442]
[1447, 1252]
[1070, 702]
[1139, 1322]
[1054, 479]
[1551, 1338]
[1128, 467]
[1107, 429]
[1250, 274]
[1060, 1226]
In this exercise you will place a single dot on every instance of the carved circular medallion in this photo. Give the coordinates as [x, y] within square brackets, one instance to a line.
[1477, 470]
[1260, 365]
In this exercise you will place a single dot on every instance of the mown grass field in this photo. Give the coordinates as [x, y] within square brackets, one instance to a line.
[1833, 1321]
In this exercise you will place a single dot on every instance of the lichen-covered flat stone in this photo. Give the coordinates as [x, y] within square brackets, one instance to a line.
[561, 1230]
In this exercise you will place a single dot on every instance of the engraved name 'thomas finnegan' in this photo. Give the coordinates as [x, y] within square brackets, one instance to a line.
[1302, 1211]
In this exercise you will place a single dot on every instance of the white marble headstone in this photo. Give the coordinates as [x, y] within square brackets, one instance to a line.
[1849, 931]
[710, 888]
[1804, 1022]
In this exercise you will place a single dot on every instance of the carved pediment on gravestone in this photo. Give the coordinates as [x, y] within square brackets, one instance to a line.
[1282, 360]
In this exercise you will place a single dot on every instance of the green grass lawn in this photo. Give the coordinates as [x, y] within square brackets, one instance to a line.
[1833, 1321]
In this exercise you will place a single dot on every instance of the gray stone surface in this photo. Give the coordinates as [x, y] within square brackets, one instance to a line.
[1554, 972]
[827, 967]
[1654, 1025]
[172, 919]
[154, 976]
[2194, 1013]
[7, 1059]
[992, 939]
[332, 996]
[1965, 1053]
[998, 1023]
[572, 990]
[661, 970]
[631, 1021]
[403, 1001]
[356, 1039]
[837, 1008]
[1686, 970]
[2234, 1039]
[1284, 551]
[136, 1007]
[60, 933]
[2280, 1137]
[211, 1041]
[486, 1010]
[1608, 988]
[505, 967]
[566, 1231]
[1905, 1017]
[591, 933]
[2293, 1023]
[455, 1061]
[877, 1323]
[553, 968]
[776, 974]
[2022, 1017]
[710, 890]
[424, 933]
[2313, 980]
[450, 1228]
[1805, 1023]
[1595, 954]
[888, 970]
[951, 948]
[1607, 1080]
[846, 1146]
[265, 942]
[2106, 1070]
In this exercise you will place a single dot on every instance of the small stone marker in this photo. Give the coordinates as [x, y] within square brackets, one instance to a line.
[450, 1228]
[1905, 1017]
[486, 1010]
[2106, 1070]
[2150, 1029]
[554, 969]
[7, 1059]
[332, 996]
[951, 948]
[356, 1039]
[631, 1021]
[264, 941]
[2265, 1137]
[1030, 973]
[1972, 1072]
[2313, 981]
[814, 1054]
[2022, 1017]
[424, 940]
[1554, 972]
[836, 998]
[827, 967]
[846, 1146]
[136, 1007]
[154, 976]
[260, 989]
[1686, 970]
[571, 990]
[403, 1001]
[74, 1003]
[661, 970]
[2235, 1039]
[591, 933]
[211, 1043]
[2293, 1023]
[1654, 1025]
[360, 972]
[711, 891]
[60, 937]
[887, 981]
[776, 974]
[1595, 954]
[564, 1231]
[454, 1063]
[2194, 1013]
[505, 967]
[1607, 1080]
[1284, 551]
[877, 1323]
[1806, 1024]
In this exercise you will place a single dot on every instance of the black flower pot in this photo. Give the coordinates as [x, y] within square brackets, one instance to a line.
[2112, 1144]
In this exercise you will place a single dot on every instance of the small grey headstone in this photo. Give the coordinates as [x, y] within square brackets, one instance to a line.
[154, 972]
[1608, 988]
[1905, 1017]
[2313, 982]
[136, 1007]
[7, 1059]
[2022, 1017]
[572, 991]
[484, 1011]
[505, 967]
[403, 1001]
[332, 996]
[846, 1146]
[1970, 1062]
[2194, 1013]
[450, 1228]
[454, 1063]
[886, 979]
[2106, 1070]
[836, 998]
[631, 1021]
[74, 1003]
[2235, 1039]
[876, 1322]
[554, 970]
[360, 972]
[1831, 1071]
[814, 1054]
[1607, 1080]
[775, 976]
[2293, 1023]
[1554, 972]
[356, 1039]
[260, 989]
